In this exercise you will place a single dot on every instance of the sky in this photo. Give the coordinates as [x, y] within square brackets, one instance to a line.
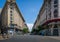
[28, 8]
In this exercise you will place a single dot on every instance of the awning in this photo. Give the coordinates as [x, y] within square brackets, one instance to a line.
[51, 20]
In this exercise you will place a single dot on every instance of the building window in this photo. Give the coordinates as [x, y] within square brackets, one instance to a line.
[55, 13]
[11, 18]
[11, 1]
[11, 8]
[55, 1]
[10, 14]
[11, 22]
[50, 16]
[10, 11]
[11, 4]
[55, 6]
[11, 25]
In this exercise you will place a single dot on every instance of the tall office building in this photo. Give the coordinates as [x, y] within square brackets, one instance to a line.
[49, 16]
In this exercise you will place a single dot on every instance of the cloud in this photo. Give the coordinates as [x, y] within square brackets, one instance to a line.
[30, 26]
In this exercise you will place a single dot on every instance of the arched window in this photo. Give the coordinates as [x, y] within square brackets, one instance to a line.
[55, 1]
[55, 13]
[55, 26]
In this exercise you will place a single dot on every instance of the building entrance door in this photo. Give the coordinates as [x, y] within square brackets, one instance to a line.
[55, 30]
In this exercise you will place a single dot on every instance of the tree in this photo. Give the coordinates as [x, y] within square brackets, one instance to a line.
[33, 30]
[25, 30]
[46, 27]
[40, 28]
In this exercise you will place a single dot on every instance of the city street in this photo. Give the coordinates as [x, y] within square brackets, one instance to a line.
[30, 38]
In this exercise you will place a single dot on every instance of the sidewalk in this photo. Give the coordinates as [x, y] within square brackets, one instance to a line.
[1, 38]
[55, 37]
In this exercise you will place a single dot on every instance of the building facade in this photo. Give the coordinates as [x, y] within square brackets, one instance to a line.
[11, 18]
[0, 19]
[49, 16]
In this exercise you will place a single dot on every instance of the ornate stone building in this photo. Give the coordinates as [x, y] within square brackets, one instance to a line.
[11, 17]
[49, 16]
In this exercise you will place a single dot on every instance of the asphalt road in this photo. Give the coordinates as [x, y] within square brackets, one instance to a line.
[30, 38]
